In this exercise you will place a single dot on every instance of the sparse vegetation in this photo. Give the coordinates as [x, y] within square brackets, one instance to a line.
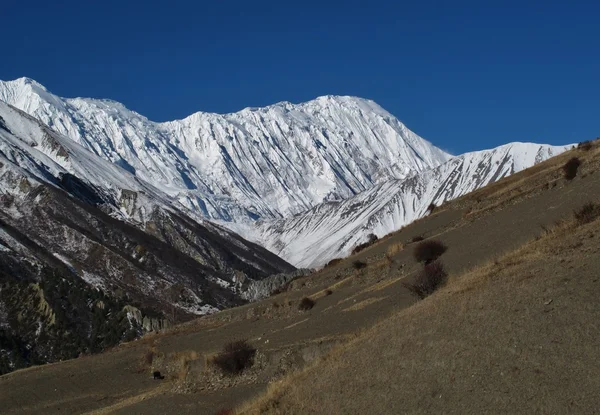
[306, 304]
[235, 357]
[280, 290]
[585, 145]
[148, 357]
[428, 251]
[392, 251]
[359, 264]
[333, 262]
[587, 213]
[570, 168]
[359, 248]
[372, 238]
[395, 249]
[428, 280]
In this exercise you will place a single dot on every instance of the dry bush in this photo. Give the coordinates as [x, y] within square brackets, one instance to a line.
[359, 264]
[281, 289]
[395, 249]
[428, 280]
[371, 239]
[333, 262]
[585, 145]
[360, 247]
[306, 304]
[148, 357]
[570, 168]
[587, 213]
[235, 357]
[429, 251]
[183, 360]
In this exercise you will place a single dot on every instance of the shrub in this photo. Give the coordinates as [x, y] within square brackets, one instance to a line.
[585, 145]
[306, 304]
[333, 262]
[394, 249]
[328, 292]
[235, 357]
[417, 238]
[429, 251]
[280, 289]
[570, 168]
[359, 265]
[587, 213]
[148, 357]
[360, 247]
[371, 239]
[428, 280]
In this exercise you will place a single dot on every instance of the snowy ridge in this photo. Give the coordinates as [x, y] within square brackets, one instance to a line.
[259, 163]
[307, 181]
[331, 230]
[83, 215]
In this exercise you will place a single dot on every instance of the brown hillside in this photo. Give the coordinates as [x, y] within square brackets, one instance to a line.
[514, 330]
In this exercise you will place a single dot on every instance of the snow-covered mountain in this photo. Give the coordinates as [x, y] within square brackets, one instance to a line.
[62, 206]
[331, 230]
[306, 181]
[259, 163]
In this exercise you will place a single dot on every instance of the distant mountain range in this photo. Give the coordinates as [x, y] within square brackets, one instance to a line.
[259, 163]
[306, 181]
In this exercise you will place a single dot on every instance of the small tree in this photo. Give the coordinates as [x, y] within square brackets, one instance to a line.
[306, 304]
[570, 168]
[235, 357]
[585, 145]
[359, 264]
[429, 251]
[428, 280]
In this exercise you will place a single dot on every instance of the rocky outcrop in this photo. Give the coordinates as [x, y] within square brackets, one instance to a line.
[252, 290]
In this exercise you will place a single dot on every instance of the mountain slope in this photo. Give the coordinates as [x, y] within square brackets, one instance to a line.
[257, 163]
[93, 255]
[332, 229]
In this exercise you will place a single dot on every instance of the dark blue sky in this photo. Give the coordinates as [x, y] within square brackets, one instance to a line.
[465, 75]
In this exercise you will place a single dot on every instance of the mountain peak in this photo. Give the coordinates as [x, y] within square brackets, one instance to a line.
[257, 163]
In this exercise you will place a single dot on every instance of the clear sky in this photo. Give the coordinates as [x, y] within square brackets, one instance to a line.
[465, 75]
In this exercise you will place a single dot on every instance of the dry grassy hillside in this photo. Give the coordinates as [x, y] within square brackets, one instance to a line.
[513, 330]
